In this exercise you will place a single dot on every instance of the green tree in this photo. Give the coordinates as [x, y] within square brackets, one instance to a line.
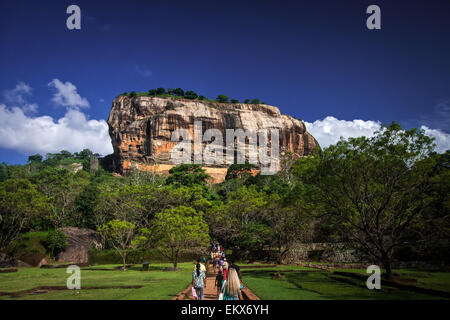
[120, 235]
[234, 101]
[20, 204]
[190, 95]
[179, 92]
[132, 94]
[160, 91]
[152, 92]
[255, 101]
[222, 98]
[187, 175]
[239, 171]
[56, 242]
[247, 101]
[373, 189]
[62, 188]
[177, 229]
[4, 172]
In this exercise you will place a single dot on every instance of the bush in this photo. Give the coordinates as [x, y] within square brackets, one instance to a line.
[315, 255]
[30, 242]
[133, 94]
[222, 98]
[170, 106]
[190, 95]
[56, 242]
[234, 101]
[255, 101]
[247, 101]
[160, 91]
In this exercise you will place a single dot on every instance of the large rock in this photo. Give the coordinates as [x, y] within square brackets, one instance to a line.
[141, 128]
[80, 241]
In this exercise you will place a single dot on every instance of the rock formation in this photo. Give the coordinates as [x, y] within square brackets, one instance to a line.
[141, 128]
[79, 243]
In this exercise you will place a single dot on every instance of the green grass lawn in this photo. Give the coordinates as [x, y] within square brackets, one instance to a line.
[326, 285]
[156, 283]
[299, 283]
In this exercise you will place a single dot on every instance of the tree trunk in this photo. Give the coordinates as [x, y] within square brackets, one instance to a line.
[175, 262]
[387, 263]
[124, 257]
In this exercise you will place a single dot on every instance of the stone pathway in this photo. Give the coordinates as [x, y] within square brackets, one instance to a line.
[210, 291]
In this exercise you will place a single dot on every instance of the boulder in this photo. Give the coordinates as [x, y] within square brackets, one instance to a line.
[79, 243]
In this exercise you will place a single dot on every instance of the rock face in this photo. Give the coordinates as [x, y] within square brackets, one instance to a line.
[141, 130]
[79, 243]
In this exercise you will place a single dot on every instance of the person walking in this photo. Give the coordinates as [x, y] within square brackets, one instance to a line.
[225, 268]
[199, 282]
[232, 286]
[235, 267]
[219, 282]
[202, 266]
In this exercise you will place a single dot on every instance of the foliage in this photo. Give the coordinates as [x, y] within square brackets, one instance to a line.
[187, 175]
[222, 98]
[120, 235]
[20, 205]
[239, 171]
[234, 100]
[190, 95]
[255, 101]
[373, 189]
[177, 229]
[56, 241]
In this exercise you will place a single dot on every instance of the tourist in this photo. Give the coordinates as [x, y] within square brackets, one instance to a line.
[225, 268]
[199, 282]
[232, 286]
[235, 267]
[202, 266]
[214, 262]
[219, 282]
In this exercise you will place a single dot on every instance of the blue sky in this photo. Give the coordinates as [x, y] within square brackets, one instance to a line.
[315, 60]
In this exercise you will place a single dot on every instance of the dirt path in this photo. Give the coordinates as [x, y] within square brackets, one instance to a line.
[210, 290]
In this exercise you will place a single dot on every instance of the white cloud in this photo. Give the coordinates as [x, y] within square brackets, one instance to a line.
[66, 95]
[43, 134]
[442, 139]
[329, 130]
[19, 97]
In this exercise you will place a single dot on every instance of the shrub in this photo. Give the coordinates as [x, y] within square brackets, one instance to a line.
[152, 92]
[190, 95]
[160, 91]
[56, 242]
[170, 106]
[315, 255]
[255, 101]
[234, 101]
[222, 98]
[30, 242]
[178, 92]
[247, 101]
[132, 94]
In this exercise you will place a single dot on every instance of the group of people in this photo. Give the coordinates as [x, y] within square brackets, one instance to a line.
[228, 279]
